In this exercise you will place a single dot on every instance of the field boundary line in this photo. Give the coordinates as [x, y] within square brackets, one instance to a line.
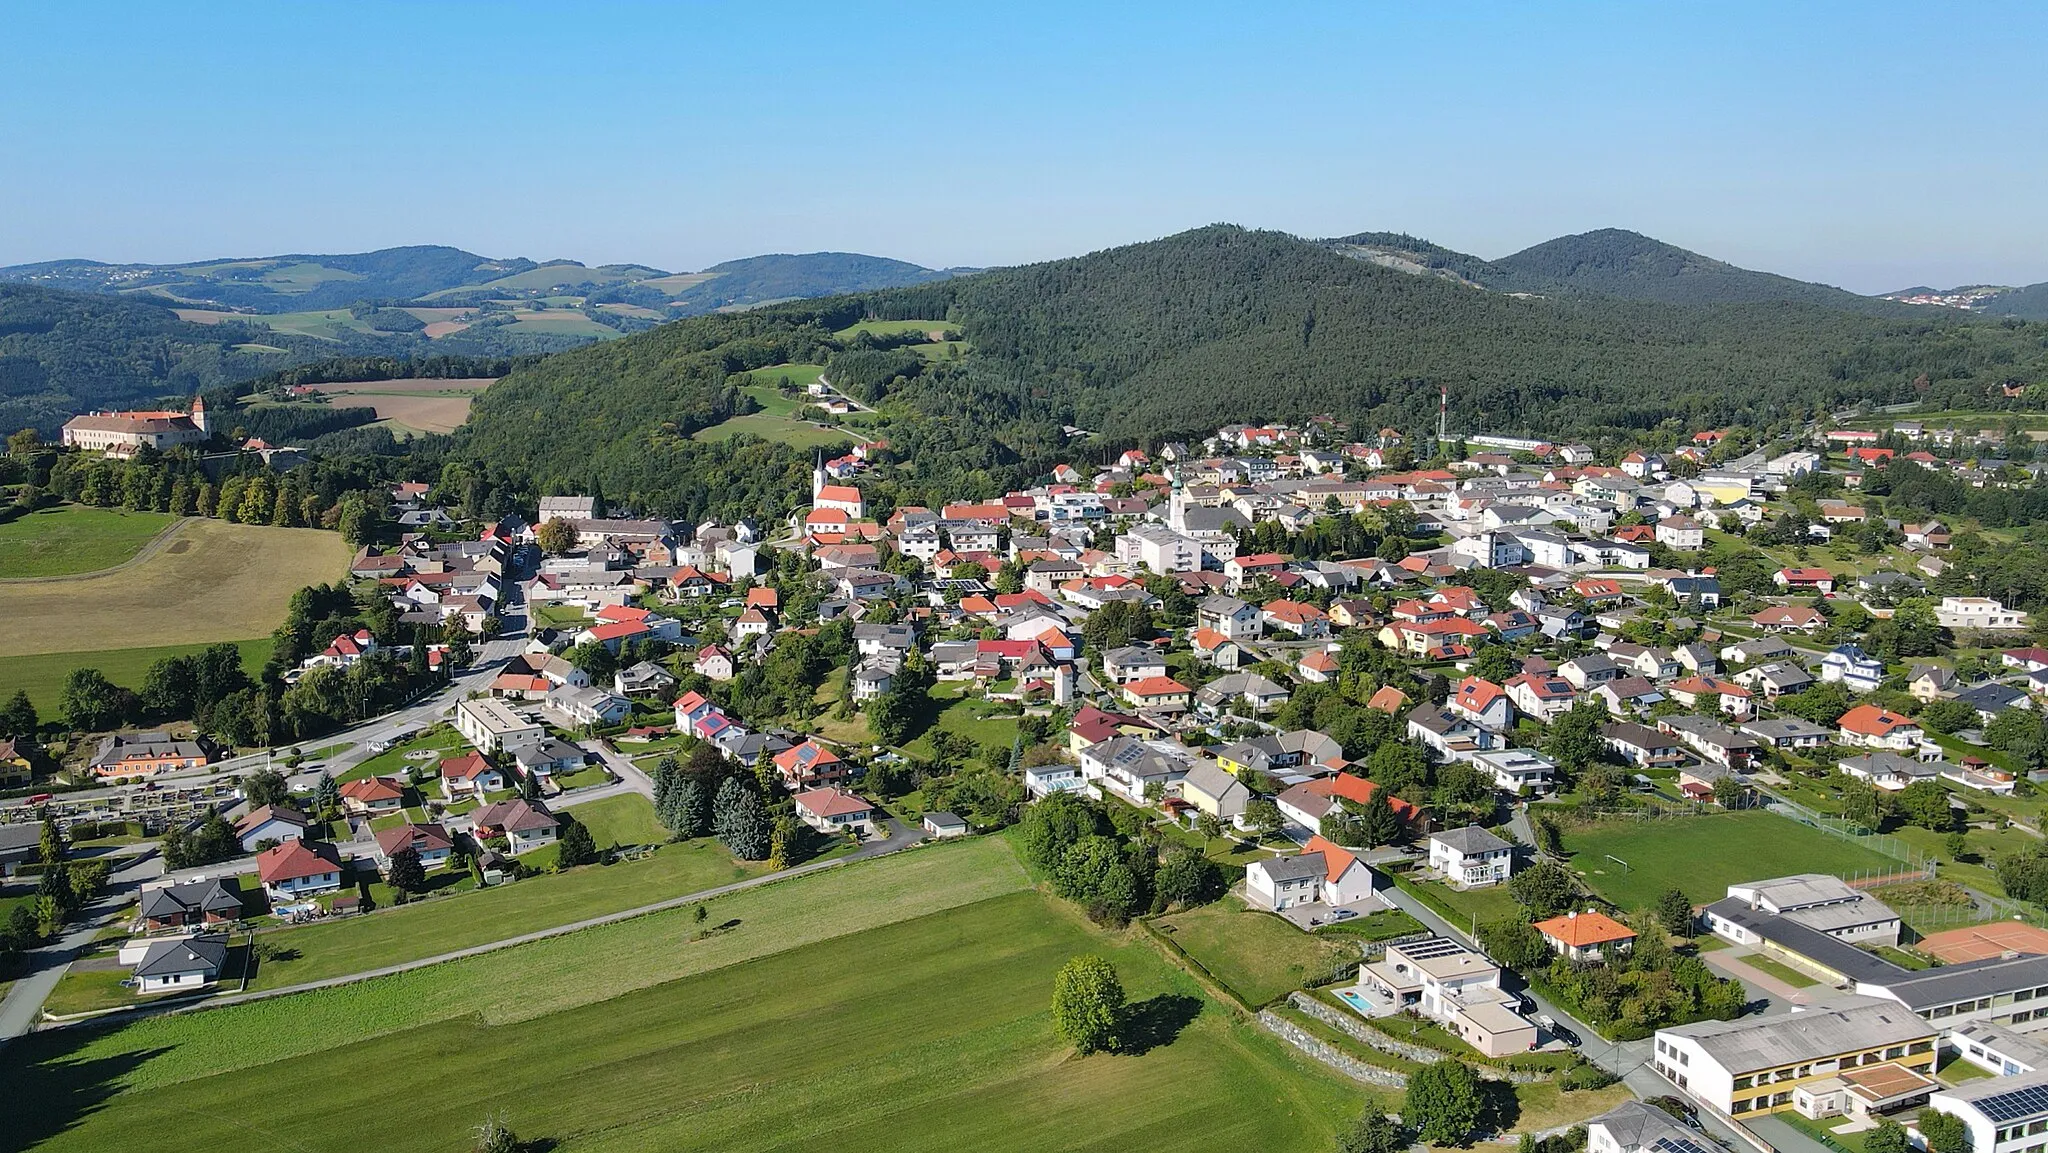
[150, 548]
[125, 1015]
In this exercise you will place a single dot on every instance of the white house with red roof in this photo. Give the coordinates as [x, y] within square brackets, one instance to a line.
[1157, 693]
[299, 868]
[469, 775]
[1306, 804]
[810, 765]
[1322, 873]
[372, 796]
[1296, 617]
[836, 810]
[1483, 703]
[345, 650]
[1713, 694]
[1871, 727]
[1544, 697]
[1804, 580]
[714, 662]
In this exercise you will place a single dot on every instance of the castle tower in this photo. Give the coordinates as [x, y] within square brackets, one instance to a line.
[199, 418]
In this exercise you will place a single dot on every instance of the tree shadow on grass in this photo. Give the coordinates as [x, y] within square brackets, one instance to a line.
[51, 1091]
[1156, 1021]
[1499, 1108]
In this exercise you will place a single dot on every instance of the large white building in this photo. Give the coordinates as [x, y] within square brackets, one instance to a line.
[1756, 1065]
[2001, 1115]
[1160, 549]
[124, 433]
[489, 725]
[1453, 986]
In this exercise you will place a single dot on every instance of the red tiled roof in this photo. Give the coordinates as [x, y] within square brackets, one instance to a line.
[294, 860]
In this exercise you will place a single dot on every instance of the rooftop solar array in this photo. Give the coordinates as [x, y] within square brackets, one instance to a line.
[2031, 1101]
[1678, 1145]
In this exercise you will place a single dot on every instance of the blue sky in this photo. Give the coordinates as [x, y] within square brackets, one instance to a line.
[1870, 144]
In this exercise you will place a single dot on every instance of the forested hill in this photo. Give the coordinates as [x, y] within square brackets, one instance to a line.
[282, 283]
[758, 280]
[2029, 303]
[439, 275]
[1171, 338]
[63, 352]
[1611, 262]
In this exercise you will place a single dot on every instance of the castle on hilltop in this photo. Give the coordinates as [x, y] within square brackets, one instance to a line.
[122, 434]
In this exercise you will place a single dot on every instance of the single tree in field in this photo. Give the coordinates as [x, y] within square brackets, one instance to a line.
[1088, 1005]
[406, 873]
[1444, 1103]
[494, 1136]
[1375, 1132]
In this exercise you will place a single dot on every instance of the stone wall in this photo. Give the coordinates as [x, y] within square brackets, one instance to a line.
[1365, 1034]
[1328, 1054]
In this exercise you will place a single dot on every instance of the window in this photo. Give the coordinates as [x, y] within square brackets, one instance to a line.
[1781, 1098]
[1739, 1105]
[1743, 1082]
[1942, 1011]
[1895, 1052]
[1922, 1047]
[1684, 1058]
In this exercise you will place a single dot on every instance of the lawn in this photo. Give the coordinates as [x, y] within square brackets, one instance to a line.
[840, 1044]
[1258, 955]
[549, 614]
[212, 581]
[43, 674]
[623, 820]
[1464, 908]
[72, 538]
[394, 762]
[899, 1004]
[893, 328]
[1780, 970]
[768, 384]
[780, 429]
[982, 721]
[396, 935]
[1704, 855]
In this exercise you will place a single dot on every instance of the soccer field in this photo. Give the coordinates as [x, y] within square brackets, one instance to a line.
[842, 1011]
[1704, 855]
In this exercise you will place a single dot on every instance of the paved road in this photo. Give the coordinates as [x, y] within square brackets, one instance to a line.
[24, 1002]
[900, 838]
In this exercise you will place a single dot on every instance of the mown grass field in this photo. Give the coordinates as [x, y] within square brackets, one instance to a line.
[892, 328]
[908, 1010]
[212, 581]
[408, 933]
[43, 674]
[1257, 954]
[780, 429]
[622, 820]
[72, 538]
[1704, 855]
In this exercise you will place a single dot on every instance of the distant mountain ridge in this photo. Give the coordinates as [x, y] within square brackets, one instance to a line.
[2029, 302]
[1609, 262]
[441, 275]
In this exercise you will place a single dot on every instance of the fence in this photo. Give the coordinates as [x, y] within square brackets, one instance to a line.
[1858, 834]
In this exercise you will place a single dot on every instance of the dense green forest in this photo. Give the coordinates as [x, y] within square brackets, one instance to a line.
[1615, 262]
[760, 279]
[1171, 338]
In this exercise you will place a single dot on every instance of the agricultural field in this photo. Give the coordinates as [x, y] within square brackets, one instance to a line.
[562, 322]
[1258, 955]
[393, 936]
[438, 406]
[71, 539]
[43, 674]
[1704, 855]
[810, 1013]
[211, 581]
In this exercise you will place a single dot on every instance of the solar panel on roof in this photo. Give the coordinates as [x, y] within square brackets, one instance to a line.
[1677, 1145]
[2019, 1103]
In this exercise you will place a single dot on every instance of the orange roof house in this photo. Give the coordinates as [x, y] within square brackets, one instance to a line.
[1584, 936]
